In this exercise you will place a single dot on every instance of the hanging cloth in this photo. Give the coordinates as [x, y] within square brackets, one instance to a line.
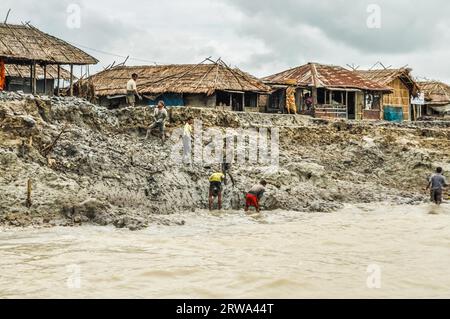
[2, 75]
[290, 100]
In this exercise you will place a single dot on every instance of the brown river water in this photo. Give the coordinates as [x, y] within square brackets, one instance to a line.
[376, 251]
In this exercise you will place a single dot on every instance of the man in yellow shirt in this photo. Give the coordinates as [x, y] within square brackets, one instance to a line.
[215, 189]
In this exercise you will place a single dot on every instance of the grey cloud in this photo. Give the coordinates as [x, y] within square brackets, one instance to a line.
[406, 25]
[261, 37]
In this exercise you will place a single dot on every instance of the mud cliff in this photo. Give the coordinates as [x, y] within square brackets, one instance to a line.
[87, 164]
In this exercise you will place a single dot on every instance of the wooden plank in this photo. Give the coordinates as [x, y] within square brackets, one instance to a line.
[59, 77]
[45, 79]
[71, 80]
[34, 79]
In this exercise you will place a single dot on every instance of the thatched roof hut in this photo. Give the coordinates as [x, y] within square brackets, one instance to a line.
[203, 78]
[209, 84]
[20, 44]
[330, 77]
[437, 97]
[436, 93]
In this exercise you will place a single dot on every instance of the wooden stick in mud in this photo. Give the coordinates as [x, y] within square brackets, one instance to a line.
[29, 189]
[50, 147]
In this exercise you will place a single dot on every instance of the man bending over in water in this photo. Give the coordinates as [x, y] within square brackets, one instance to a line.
[254, 196]
[215, 189]
[437, 183]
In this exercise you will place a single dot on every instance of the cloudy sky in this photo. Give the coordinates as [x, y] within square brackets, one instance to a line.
[259, 36]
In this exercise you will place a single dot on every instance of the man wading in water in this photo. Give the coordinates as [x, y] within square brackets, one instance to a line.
[215, 189]
[254, 196]
[437, 183]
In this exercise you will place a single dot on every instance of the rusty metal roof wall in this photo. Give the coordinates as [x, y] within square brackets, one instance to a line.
[326, 76]
[386, 76]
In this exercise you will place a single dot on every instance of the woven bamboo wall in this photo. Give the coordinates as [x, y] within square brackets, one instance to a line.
[399, 98]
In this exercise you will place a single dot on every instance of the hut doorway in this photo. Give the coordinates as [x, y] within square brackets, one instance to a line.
[351, 105]
[237, 102]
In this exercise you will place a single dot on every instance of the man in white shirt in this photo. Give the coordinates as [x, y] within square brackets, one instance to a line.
[132, 91]
[187, 141]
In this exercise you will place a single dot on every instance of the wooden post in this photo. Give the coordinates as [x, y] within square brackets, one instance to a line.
[231, 101]
[71, 80]
[243, 102]
[34, 91]
[314, 96]
[31, 78]
[45, 79]
[59, 77]
[29, 190]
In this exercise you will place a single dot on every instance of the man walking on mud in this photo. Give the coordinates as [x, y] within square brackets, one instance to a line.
[436, 184]
[132, 91]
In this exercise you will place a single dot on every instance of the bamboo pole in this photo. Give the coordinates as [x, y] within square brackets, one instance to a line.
[59, 77]
[34, 85]
[45, 79]
[31, 78]
[71, 80]
[29, 190]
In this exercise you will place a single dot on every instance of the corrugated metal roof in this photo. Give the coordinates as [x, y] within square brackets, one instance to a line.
[386, 76]
[326, 76]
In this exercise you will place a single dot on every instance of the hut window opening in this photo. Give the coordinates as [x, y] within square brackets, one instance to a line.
[373, 101]
[222, 98]
[251, 99]
[321, 96]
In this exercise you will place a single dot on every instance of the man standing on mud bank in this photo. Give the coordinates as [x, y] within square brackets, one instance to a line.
[254, 196]
[187, 141]
[132, 91]
[437, 183]
[160, 117]
[215, 189]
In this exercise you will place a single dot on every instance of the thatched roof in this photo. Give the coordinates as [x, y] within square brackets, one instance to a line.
[204, 78]
[324, 76]
[386, 76]
[23, 71]
[25, 43]
[436, 93]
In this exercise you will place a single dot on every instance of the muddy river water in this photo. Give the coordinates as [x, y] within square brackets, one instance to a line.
[361, 251]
